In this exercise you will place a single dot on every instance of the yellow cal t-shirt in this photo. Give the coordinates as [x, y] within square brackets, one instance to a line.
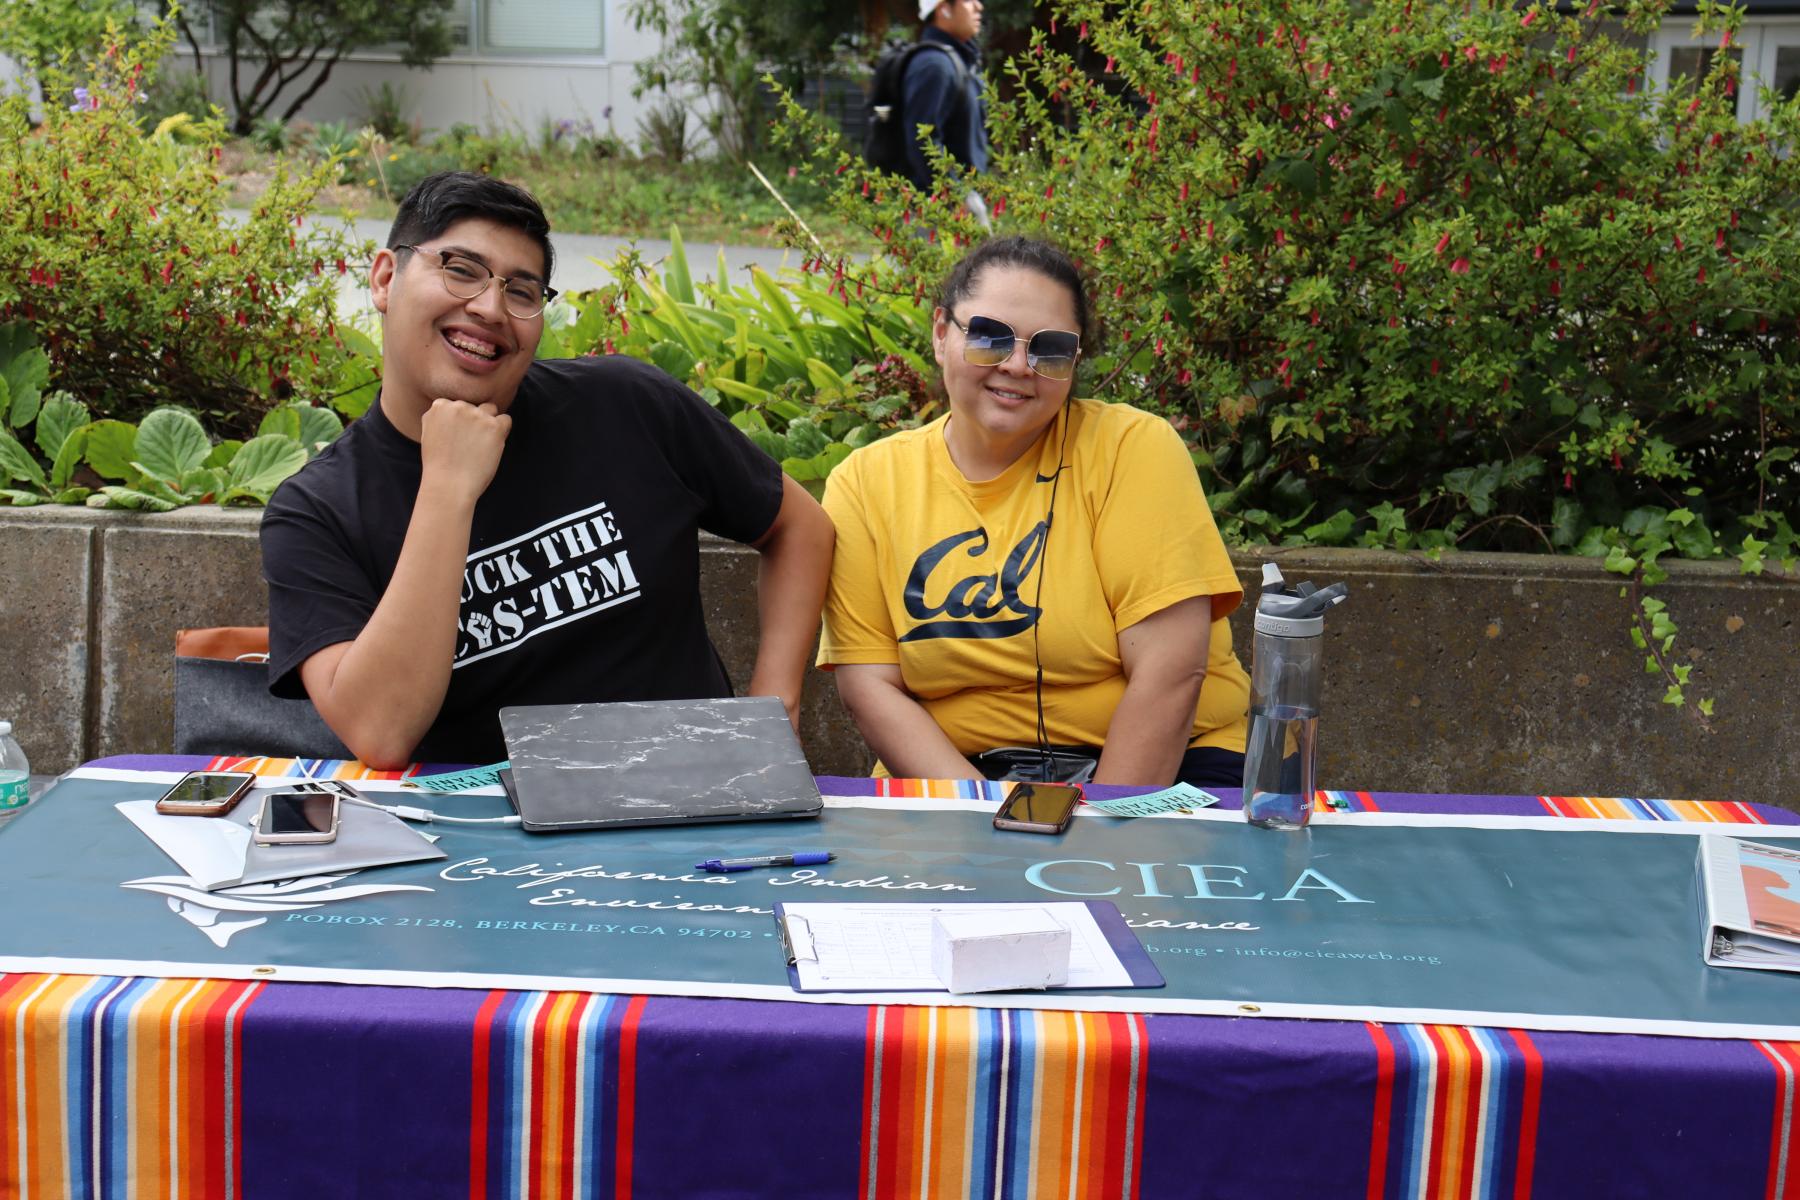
[941, 576]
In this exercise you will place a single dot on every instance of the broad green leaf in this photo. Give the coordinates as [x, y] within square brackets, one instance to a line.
[674, 358]
[113, 496]
[26, 372]
[1333, 530]
[223, 453]
[1566, 521]
[74, 495]
[111, 445]
[20, 499]
[16, 462]
[319, 427]
[170, 443]
[207, 481]
[264, 461]
[5, 397]
[68, 456]
[59, 417]
[283, 421]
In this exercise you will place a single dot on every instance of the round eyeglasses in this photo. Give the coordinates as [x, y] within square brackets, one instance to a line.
[988, 343]
[465, 278]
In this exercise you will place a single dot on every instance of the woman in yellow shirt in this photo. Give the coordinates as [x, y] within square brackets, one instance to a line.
[1031, 570]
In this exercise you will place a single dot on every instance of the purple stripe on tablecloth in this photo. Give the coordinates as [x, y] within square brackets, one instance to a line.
[848, 785]
[343, 1082]
[1651, 1116]
[739, 1097]
[1257, 1108]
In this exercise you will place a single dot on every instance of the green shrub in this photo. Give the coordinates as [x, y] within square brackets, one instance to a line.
[270, 135]
[161, 463]
[384, 109]
[1412, 274]
[809, 367]
[116, 251]
[335, 142]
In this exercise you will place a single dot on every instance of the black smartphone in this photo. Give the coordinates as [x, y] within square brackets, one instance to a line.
[298, 816]
[1038, 807]
[206, 793]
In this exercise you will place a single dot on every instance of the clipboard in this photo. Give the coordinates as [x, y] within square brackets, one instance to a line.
[1138, 971]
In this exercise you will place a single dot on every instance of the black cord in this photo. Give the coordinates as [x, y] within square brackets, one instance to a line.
[1043, 734]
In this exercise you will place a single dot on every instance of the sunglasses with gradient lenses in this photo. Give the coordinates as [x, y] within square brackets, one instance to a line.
[988, 343]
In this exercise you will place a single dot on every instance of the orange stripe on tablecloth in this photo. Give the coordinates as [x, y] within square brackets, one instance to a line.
[547, 1097]
[572, 1089]
[1474, 1091]
[950, 1103]
[1613, 809]
[1453, 1093]
[148, 1073]
[559, 1092]
[911, 1109]
[1056, 1101]
[1111, 1034]
[46, 1131]
[535, 1102]
[14, 990]
[1440, 1101]
[1694, 810]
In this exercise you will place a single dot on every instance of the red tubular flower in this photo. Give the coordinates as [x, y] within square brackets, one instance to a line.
[1460, 267]
[1443, 243]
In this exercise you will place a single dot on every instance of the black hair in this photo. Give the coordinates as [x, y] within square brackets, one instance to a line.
[439, 201]
[1029, 254]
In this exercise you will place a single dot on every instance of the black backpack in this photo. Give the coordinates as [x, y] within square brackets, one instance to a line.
[884, 142]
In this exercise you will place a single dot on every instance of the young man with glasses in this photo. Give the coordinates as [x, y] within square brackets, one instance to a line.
[499, 531]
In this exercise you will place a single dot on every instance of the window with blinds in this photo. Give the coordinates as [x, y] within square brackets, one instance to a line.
[565, 26]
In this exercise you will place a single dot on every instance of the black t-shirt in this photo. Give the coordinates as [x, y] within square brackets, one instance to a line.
[582, 581]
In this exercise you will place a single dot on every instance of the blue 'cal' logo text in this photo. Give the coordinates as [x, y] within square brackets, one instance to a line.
[974, 605]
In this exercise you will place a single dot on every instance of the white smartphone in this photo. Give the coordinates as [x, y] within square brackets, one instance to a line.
[298, 816]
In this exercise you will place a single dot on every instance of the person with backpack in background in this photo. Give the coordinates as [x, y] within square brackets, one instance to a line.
[936, 82]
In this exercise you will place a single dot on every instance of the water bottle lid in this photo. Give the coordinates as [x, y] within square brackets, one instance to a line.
[5, 728]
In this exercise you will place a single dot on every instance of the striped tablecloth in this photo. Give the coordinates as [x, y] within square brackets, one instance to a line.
[145, 1087]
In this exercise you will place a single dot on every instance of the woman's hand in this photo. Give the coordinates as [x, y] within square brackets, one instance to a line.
[1164, 657]
[896, 726]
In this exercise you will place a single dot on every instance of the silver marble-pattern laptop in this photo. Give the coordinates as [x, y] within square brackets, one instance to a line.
[656, 762]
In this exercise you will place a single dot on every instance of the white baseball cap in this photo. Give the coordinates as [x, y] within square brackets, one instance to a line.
[927, 7]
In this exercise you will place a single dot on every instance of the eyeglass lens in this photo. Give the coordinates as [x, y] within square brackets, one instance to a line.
[1050, 352]
[467, 279]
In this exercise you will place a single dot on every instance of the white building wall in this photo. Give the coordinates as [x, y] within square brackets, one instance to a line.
[494, 92]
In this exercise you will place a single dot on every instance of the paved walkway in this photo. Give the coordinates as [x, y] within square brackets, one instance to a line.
[581, 258]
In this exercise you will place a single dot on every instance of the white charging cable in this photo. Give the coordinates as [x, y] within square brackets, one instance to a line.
[407, 812]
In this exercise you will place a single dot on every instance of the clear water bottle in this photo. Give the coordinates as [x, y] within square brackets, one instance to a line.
[15, 774]
[1281, 749]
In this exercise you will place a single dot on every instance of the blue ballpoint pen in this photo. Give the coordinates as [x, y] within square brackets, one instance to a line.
[800, 858]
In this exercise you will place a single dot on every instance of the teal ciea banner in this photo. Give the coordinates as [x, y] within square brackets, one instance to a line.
[1499, 921]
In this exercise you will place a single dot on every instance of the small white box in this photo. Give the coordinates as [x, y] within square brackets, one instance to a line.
[1000, 951]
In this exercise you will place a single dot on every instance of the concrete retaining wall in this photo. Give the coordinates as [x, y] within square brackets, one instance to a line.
[1480, 673]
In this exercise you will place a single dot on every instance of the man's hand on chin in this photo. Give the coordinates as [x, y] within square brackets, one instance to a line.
[460, 446]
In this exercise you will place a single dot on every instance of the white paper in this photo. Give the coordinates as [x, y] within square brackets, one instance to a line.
[887, 947]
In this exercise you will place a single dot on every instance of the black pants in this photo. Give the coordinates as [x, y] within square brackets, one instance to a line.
[1201, 766]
